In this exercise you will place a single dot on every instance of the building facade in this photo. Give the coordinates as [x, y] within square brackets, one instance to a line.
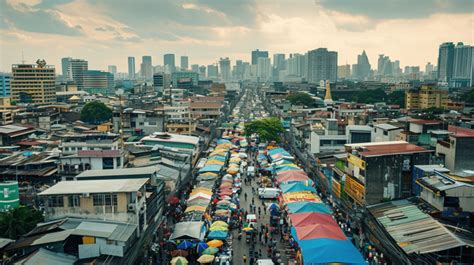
[445, 62]
[169, 63]
[428, 96]
[258, 54]
[98, 82]
[322, 65]
[184, 63]
[33, 83]
[5, 90]
[131, 67]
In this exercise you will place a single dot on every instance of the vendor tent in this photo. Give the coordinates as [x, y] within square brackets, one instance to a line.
[302, 207]
[189, 231]
[296, 187]
[320, 251]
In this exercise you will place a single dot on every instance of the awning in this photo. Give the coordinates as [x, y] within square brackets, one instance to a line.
[303, 207]
[318, 251]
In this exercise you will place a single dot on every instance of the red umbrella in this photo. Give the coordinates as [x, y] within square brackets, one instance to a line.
[173, 200]
[179, 252]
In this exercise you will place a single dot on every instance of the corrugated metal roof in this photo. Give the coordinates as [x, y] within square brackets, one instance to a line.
[413, 230]
[44, 256]
[96, 186]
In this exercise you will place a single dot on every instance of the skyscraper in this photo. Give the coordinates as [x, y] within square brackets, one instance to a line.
[344, 71]
[429, 68]
[169, 63]
[146, 71]
[65, 66]
[131, 67]
[278, 64]
[239, 70]
[263, 69]
[112, 69]
[258, 54]
[463, 65]
[75, 71]
[184, 63]
[224, 65]
[33, 83]
[212, 71]
[98, 82]
[363, 66]
[195, 68]
[202, 72]
[445, 62]
[322, 65]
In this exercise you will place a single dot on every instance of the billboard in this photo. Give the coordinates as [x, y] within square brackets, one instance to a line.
[9, 195]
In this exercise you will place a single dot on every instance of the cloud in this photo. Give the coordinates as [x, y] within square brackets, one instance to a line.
[398, 9]
[24, 16]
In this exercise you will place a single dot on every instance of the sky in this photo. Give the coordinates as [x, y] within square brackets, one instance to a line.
[106, 32]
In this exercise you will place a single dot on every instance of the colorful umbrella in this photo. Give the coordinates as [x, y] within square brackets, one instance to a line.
[179, 261]
[248, 229]
[215, 243]
[179, 252]
[210, 251]
[220, 223]
[201, 246]
[185, 245]
[206, 259]
[219, 228]
[217, 235]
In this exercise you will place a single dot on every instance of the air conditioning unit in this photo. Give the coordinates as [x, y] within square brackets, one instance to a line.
[86, 195]
[132, 207]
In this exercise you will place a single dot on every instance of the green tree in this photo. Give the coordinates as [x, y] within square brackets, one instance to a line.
[18, 221]
[370, 96]
[300, 98]
[268, 129]
[469, 96]
[95, 112]
[397, 97]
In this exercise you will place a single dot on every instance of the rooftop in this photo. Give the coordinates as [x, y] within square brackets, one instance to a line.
[171, 137]
[424, 122]
[118, 172]
[95, 186]
[386, 126]
[14, 129]
[391, 149]
[461, 132]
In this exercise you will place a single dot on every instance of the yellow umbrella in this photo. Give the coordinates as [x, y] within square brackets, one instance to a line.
[195, 208]
[206, 259]
[209, 174]
[215, 243]
[248, 229]
[215, 162]
[220, 223]
[179, 261]
[219, 228]
[200, 190]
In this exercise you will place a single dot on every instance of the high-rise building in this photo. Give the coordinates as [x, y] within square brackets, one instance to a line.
[33, 83]
[74, 70]
[463, 65]
[146, 69]
[445, 62]
[5, 85]
[202, 72]
[278, 64]
[112, 69]
[212, 71]
[65, 66]
[296, 64]
[195, 68]
[247, 69]
[258, 54]
[224, 65]
[344, 71]
[239, 70]
[322, 65]
[99, 82]
[263, 69]
[184, 63]
[161, 81]
[426, 97]
[131, 67]
[429, 68]
[384, 66]
[169, 63]
[363, 66]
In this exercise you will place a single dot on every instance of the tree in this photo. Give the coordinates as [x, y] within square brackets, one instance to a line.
[95, 112]
[18, 221]
[300, 98]
[267, 129]
[397, 97]
[370, 96]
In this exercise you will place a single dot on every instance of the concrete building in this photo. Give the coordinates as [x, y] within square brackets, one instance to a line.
[258, 54]
[202, 72]
[184, 79]
[428, 96]
[146, 68]
[344, 71]
[131, 68]
[184, 63]
[5, 89]
[183, 143]
[363, 66]
[224, 65]
[98, 82]
[72, 144]
[463, 68]
[458, 150]
[386, 132]
[322, 65]
[112, 69]
[71, 165]
[137, 122]
[75, 70]
[263, 69]
[169, 63]
[212, 71]
[161, 81]
[445, 62]
[33, 83]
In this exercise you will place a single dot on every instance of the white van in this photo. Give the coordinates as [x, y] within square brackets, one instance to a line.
[268, 193]
[251, 171]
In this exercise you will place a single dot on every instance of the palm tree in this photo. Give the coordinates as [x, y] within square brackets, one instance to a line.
[18, 221]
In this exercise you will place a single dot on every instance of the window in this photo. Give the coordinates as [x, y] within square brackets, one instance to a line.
[108, 163]
[74, 200]
[104, 199]
[56, 201]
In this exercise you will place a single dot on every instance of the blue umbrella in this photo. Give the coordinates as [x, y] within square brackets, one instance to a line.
[201, 246]
[185, 245]
[217, 235]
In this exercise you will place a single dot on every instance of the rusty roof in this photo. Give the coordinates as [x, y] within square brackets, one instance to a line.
[391, 149]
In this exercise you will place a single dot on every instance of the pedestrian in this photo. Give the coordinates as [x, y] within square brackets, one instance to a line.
[253, 200]
[245, 196]
[264, 210]
[259, 210]
[266, 238]
[251, 260]
[244, 258]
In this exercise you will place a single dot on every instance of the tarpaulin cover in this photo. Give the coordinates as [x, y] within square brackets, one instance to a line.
[217, 157]
[294, 177]
[189, 230]
[317, 231]
[323, 250]
[292, 173]
[303, 207]
[309, 218]
[286, 168]
[296, 187]
[211, 168]
[217, 235]
[223, 141]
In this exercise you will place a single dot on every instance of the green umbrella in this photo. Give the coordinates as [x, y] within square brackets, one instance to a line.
[210, 251]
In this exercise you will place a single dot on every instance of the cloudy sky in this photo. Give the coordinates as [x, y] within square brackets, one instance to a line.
[105, 32]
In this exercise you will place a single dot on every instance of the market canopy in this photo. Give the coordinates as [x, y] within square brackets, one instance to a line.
[217, 235]
[215, 162]
[291, 173]
[320, 251]
[296, 187]
[189, 231]
[310, 218]
[300, 196]
[200, 195]
[292, 178]
[195, 208]
[210, 168]
[287, 168]
[217, 157]
[317, 231]
[303, 207]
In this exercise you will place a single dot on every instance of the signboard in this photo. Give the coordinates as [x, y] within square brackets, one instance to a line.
[9, 195]
[300, 196]
[356, 161]
[336, 188]
[354, 189]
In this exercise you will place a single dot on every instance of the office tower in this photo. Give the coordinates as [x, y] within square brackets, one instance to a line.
[396, 70]
[429, 68]
[202, 72]
[74, 69]
[212, 71]
[33, 83]
[355, 72]
[412, 69]
[112, 69]
[463, 65]
[322, 65]
[258, 54]
[146, 71]
[5, 85]
[445, 62]
[159, 82]
[65, 66]
[296, 64]
[224, 65]
[99, 82]
[278, 64]
[363, 66]
[195, 68]
[239, 70]
[384, 66]
[263, 69]
[169, 63]
[247, 71]
[184, 63]
[344, 71]
[131, 67]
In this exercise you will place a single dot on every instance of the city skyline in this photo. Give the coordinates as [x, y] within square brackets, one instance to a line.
[111, 33]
